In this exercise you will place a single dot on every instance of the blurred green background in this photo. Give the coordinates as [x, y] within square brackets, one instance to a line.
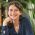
[28, 6]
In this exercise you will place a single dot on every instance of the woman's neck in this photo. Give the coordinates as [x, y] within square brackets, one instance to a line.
[16, 25]
[16, 22]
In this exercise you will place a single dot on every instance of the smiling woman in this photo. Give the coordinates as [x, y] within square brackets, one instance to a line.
[15, 23]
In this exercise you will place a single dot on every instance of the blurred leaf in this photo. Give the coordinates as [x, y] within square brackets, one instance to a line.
[33, 1]
[5, 3]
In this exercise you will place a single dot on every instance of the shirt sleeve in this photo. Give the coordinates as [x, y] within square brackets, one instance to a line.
[5, 30]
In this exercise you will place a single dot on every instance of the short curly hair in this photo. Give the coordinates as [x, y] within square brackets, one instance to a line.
[17, 4]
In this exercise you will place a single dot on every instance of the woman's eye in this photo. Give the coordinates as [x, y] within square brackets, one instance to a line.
[16, 10]
[10, 9]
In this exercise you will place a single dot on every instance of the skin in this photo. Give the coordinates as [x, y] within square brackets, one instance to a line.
[14, 14]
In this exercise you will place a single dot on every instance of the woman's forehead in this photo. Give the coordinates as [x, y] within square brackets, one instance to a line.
[13, 7]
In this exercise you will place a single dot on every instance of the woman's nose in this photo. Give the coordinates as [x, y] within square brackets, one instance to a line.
[12, 13]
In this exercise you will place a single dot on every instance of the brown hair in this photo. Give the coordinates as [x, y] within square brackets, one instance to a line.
[17, 4]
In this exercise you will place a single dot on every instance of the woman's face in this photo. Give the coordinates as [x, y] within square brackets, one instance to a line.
[14, 12]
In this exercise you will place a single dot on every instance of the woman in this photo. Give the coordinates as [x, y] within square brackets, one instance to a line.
[15, 23]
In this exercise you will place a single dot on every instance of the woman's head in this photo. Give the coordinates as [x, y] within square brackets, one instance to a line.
[15, 9]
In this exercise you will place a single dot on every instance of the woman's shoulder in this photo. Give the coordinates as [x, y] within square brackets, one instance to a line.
[24, 18]
[26, 22]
